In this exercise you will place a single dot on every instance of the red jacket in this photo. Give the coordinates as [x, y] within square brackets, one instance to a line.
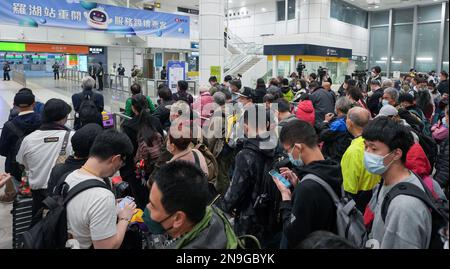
[417, 161]
[305, 112]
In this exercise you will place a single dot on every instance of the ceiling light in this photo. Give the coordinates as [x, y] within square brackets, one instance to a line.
[396, 62]
[380, 62]
[383, 58]
[424, 59]
[446, 63]
[376, 6]
[263, 9]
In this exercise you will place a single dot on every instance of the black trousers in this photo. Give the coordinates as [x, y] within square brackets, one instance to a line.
[38, 197]
[100, 83]
[6, 76]
[56, 75]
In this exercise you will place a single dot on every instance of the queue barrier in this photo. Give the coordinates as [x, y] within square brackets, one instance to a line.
[123, 83]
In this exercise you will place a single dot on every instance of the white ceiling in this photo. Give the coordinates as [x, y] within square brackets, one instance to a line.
[365, 4]
[385, 4]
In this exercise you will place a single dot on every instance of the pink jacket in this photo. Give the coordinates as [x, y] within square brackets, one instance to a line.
[203, 105]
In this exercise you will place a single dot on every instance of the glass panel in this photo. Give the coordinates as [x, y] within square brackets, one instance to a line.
[378, 47]
[427, 46]
[291, 9]
[380, 18]
[445, 55]
[401, 53]
[348, 13]
[429, 13]
[404, 15]
[281, 10]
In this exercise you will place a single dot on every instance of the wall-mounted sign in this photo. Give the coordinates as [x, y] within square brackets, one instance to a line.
[188, 10]
[84, 15]
[96, 50]
[307, 49]
[176, 73]
[195, 45]
[58, 48]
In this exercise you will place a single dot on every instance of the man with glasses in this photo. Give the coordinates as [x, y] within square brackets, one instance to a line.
[92, 216]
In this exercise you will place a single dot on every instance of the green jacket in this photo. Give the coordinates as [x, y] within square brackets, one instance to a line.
[212, 232]
[129, 111]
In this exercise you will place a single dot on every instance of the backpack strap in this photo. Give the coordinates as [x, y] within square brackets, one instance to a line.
[406, 188]
[85, 185]
[324, 185]
[197, 160]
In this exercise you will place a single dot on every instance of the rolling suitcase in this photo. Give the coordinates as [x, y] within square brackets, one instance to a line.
[22, 214]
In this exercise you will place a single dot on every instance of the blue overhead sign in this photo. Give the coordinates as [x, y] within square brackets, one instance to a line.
[84, 15]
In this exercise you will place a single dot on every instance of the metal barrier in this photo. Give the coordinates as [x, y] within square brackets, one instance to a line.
[19, 77]
[123, 83]
[119, 118]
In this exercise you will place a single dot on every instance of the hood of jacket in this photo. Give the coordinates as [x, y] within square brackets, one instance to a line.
[417, 161]
[339, 125]
[328, 170]
[285, 89]
[28, 122]
[306, 106]
[212, 232]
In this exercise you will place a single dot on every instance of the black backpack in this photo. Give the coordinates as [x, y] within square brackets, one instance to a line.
[87, 111]
[439, 209]
[51, 231]
[267, 197]
[429, 146]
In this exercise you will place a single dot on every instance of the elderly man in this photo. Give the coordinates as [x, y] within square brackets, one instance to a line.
[390, 97]
[86, 98]
[357, 181]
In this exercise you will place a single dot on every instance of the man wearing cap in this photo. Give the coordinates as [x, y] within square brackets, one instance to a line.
[40, 150]
[235, 86]
[357, 181]
[375, 96]
[245, 100]
[25, 123]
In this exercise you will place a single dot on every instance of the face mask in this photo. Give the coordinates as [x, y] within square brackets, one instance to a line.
[375, 163]
[385, 102]
[153, 226]
[296, 163]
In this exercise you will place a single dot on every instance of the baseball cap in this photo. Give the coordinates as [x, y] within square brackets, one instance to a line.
[24, 99]
[388, 111]
[245, 92]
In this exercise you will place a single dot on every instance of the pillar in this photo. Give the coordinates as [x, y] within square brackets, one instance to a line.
[211, 37]
[274, 66]
[293, 65]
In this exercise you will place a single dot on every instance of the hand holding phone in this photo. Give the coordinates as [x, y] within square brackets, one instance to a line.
[125, 201]
[283, 180]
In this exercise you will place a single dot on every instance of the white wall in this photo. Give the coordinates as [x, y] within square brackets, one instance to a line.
[312, 25]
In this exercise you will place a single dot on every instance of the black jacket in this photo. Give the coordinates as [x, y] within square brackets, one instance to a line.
[373, 102]
[336, 142]
[443, 86]
[241, 195]
[311, 208]
[183, 96]
[259, 95]
[27, 123]
[56, 176]
[78, 98]
[323, 102]
[441, 175]
[163, 114]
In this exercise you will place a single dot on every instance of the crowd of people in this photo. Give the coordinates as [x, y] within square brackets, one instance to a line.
[273, 162]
